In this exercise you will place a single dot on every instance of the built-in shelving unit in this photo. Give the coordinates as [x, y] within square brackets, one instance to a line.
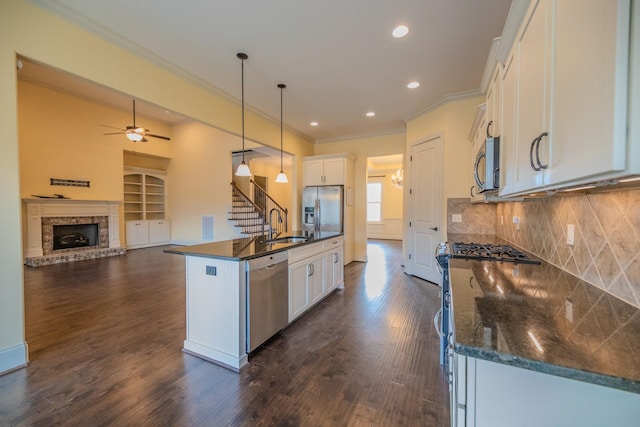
[145, 209]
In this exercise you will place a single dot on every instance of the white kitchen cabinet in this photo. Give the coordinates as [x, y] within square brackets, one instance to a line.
[298, 289]
[322, 170]
[306, 284]
[316, 279]
[498, 395]
[493, 100]
[569, 67]
[334, 265]
[478, 134]
[508, 127]
[314, 274]
[532, 100]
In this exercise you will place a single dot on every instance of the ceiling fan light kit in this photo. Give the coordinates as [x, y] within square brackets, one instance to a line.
[281, 178]
[243, 169]
[135, 133]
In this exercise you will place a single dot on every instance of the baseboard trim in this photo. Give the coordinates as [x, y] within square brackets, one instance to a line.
[13, 358]
[215, 356]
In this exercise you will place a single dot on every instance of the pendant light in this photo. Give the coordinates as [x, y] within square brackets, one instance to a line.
[281, 178]
[243, 168]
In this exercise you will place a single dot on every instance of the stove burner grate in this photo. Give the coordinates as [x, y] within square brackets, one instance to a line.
[484, 251]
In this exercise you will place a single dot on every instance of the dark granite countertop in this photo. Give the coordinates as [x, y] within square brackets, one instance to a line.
[542, 318]
[247, 248]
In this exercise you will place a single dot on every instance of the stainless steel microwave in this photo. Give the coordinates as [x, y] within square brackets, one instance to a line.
[487, 165]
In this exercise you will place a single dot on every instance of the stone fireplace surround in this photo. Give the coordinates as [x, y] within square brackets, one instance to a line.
[40, 215]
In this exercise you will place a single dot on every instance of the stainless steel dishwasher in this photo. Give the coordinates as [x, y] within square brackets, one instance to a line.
[267, 297]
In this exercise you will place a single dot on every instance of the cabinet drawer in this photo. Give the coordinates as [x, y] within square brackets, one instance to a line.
[305, 251]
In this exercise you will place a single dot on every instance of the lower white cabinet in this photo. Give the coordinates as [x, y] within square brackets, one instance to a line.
[137, 233]
[493, 394]
[146, 233]
[314, 271]
[334, 268]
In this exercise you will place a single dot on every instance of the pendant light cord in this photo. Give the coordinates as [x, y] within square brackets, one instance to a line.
[281, 86]
[242, 109]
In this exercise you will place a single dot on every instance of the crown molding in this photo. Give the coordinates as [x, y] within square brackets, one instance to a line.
[362, 135]
[516, 14]
[490, 65]
[444, 100]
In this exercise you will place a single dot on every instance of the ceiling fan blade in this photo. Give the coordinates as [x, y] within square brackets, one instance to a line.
[114, 133]
[158, 136]
[112, 127]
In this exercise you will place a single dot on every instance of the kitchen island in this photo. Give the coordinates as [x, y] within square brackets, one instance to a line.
[533, 345]
[217, 288]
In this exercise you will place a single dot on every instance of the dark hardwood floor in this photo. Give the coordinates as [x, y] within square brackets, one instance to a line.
[105, 339]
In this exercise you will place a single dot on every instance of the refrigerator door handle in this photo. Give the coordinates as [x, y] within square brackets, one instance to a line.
[318, 214]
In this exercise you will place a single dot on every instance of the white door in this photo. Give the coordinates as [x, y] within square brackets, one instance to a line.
[426, 202]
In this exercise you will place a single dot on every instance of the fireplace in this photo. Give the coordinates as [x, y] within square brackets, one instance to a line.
[75, 236]
[70, 230]
[74, 233]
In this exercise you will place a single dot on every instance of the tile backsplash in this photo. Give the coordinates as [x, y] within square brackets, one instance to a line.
[606, 246]
[477, 218]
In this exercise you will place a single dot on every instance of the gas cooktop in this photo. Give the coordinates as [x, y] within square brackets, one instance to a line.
[489, 252]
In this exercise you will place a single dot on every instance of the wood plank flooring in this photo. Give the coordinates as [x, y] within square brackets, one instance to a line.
[105, 339]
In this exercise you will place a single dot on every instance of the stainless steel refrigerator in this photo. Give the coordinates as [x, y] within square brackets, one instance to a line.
[322, 208]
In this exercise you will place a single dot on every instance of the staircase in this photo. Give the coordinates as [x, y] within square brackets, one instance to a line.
[253, 217]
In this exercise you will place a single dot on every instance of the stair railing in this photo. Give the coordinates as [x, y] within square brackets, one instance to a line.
[276, 215]
[248, 215]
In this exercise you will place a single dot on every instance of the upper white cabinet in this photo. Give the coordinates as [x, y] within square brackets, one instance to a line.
[319, 170]
[564, 96]
[493, 102]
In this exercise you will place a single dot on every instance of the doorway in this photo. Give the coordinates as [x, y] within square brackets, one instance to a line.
[385, 197]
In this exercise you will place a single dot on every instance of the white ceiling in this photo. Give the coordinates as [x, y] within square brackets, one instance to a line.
[337, 57]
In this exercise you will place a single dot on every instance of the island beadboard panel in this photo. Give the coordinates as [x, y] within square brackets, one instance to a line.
[606, 248]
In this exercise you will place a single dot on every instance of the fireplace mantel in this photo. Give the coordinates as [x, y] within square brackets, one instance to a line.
[35, 209]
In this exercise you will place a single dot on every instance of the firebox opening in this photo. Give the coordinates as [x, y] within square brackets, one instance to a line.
[75, 236]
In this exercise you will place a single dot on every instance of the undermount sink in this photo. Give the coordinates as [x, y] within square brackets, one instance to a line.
[288, 239]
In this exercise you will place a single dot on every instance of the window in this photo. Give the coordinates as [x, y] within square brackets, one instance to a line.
[374, 201]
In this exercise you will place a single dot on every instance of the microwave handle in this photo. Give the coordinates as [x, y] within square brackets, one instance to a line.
[481, 155]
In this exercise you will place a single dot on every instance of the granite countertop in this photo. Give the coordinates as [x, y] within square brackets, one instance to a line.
[248, 248]
[542, 318]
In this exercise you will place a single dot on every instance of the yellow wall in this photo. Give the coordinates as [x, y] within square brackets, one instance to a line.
[391, 195]
[453, 120]
[43, 37]
[362, 148]
[281, 193]
[60, 137]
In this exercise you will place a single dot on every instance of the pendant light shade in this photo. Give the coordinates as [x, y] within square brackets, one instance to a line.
[281, 178]
[243, 169]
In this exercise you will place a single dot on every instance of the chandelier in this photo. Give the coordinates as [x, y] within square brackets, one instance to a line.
[397, 178]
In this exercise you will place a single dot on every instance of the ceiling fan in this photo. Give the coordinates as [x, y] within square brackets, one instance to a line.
[133, 132]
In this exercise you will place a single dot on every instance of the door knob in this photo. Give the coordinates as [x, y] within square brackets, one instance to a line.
[434, 228]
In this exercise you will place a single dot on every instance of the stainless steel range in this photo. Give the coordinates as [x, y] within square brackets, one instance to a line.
[471, 251]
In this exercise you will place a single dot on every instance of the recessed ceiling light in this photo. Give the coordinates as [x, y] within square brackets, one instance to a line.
[400, 31]
[314, 123]
[413, 85]
[371, 114]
